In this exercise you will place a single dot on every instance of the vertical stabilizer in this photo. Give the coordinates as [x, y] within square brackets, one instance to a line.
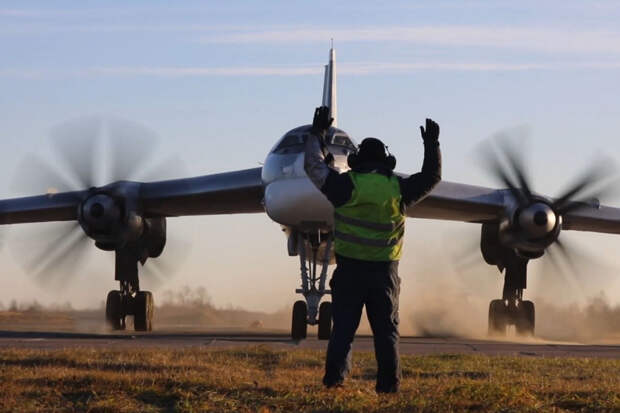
[329, 87]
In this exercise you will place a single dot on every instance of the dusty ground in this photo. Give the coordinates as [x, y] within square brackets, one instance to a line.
[176, 328]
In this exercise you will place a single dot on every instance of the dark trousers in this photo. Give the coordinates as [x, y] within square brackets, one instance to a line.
[356, 283]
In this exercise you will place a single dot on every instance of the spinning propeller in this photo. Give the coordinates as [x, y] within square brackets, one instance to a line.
[533, 223]
[84, 147]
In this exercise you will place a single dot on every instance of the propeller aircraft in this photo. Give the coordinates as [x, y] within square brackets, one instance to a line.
[128, 218]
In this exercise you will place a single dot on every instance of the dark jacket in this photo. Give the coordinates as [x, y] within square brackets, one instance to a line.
[338, 187]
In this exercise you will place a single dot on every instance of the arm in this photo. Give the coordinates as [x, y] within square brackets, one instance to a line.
[336, 187]
[417, 186]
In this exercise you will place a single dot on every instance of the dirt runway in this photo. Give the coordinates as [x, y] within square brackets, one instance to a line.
[224, 339]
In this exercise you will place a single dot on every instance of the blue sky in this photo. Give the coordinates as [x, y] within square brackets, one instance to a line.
[220, 82]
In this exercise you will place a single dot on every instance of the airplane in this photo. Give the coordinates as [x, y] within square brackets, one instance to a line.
[129, 218]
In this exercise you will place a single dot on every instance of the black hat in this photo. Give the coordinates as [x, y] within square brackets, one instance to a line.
[371, 153]
[371, 150]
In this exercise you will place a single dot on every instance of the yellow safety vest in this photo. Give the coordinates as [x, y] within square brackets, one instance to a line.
[371, 225]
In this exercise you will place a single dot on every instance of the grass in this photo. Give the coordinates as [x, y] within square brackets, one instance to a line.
[267, 380]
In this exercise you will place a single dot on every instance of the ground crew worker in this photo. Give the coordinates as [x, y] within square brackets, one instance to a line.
[369, 202]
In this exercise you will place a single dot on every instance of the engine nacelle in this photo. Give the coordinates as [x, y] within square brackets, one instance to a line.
[154, 236]
[109, 220]
[531, 230]
[527, 232]
[490, 245]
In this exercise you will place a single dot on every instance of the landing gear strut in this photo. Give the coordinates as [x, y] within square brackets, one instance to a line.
[129, 300]
[312, 287]
[512, 309]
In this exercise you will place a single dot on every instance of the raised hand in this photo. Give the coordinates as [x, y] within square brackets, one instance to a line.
[431, 133]
[322, 121]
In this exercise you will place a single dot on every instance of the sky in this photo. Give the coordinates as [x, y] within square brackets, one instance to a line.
[220, 82]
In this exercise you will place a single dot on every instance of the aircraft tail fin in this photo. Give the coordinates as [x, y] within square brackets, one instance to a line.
[329, 87]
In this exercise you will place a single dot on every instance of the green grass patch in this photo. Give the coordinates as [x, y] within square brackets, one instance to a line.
[263, 379]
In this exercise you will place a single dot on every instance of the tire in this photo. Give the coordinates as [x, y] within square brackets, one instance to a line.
[497, 318]
[143, 311]
[325, 320]
[526, 319]
[113, 310]
[299, 325]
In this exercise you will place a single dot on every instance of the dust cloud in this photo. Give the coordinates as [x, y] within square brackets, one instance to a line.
[442, 311]
[451, 313]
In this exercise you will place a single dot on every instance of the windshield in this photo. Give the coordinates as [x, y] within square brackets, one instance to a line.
[295, 143]
[342, 140]
[291, 144]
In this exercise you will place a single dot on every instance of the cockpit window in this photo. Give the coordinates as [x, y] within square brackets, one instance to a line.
[295, 143]
[291, 144]
[342, 140]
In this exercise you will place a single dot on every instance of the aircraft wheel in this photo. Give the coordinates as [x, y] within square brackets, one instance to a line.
[325, 320]
[299, 327]
[526, 319]
[113, 310]
[498, 319]
[143, 311]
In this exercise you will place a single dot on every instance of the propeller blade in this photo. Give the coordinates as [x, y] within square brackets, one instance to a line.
[469, 256]
[496, 169]
[158, 270]
[570, 274]
[75, 142]
[553, 276]
[64, 246]
[589, 179]
[35, 176]
[152, 271]
[169, 168]
[516, 163]
[66, 261]
[131, 146]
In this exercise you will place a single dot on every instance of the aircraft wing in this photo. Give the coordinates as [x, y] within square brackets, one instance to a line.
[41, 208]
[460, 202]
[235, 192]
[223, 193]
[594, 219]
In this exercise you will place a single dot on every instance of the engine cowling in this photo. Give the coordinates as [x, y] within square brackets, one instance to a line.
[530, 230]
[109, 221]
[154, 236]
[527, 231]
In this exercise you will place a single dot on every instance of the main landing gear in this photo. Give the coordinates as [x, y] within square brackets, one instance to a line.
[129, 300]
[512, 309]
[309, 311]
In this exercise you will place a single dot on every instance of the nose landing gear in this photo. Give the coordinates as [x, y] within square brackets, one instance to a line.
[313, 289]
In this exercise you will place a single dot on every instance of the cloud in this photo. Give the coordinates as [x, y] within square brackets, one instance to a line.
[359, 69]
[209, 71]
[524, 38]
[346, 69]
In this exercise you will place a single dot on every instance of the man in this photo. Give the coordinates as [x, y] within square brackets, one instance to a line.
[370, 203]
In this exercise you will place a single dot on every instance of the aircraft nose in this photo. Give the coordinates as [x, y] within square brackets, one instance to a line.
[296, 202]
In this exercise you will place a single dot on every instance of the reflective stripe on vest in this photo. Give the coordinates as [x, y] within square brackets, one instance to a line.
[370, 226]
[367, 241]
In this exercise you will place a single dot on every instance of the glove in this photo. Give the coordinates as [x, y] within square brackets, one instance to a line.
[321, 122]
[431, 133]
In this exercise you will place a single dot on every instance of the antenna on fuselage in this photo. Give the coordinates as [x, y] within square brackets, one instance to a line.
[329, 86]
